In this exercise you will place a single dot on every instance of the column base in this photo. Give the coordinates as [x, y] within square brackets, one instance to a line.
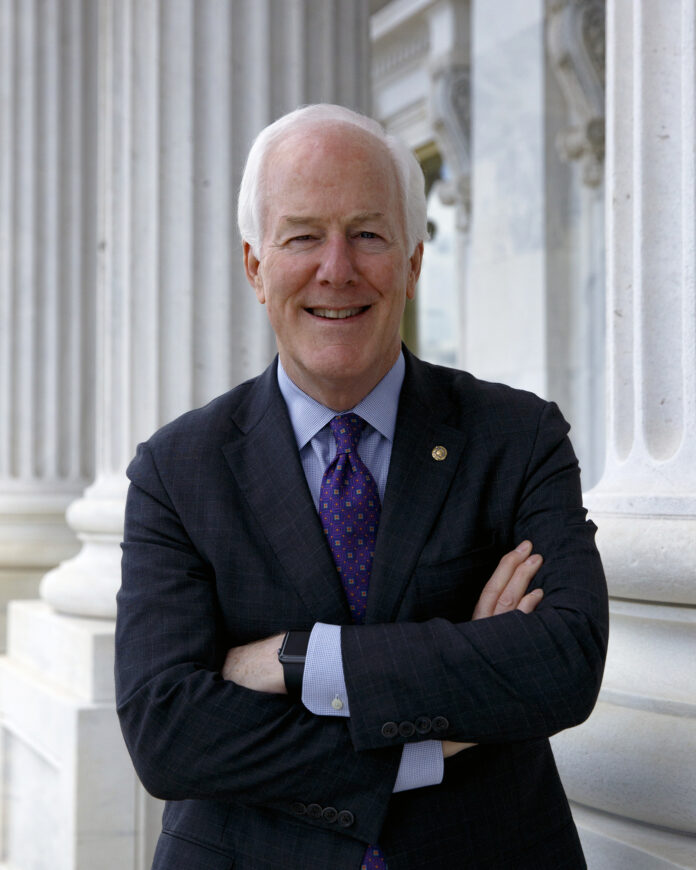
[71, 798]
[648, 545]
[86, 585]
[15, 583]
[636, 764]
[612, 843]
[34, 537]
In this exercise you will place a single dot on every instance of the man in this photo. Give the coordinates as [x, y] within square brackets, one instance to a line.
[351, 506]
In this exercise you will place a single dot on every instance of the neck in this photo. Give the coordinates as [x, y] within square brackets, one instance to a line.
[339, 396]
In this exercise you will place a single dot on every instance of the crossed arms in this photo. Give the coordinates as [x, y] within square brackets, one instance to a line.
[529, 670]
[255, 665]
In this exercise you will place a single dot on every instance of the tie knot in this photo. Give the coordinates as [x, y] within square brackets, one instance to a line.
[346, 430]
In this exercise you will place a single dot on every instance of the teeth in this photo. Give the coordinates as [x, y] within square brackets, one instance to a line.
[335, 313]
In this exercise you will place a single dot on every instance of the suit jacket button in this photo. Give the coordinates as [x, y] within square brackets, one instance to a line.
[390, 729]
[345, 818]
[423, 725]
[314, 811]
[330, 814]
[440, 724]
[407, 729]
[298, 808]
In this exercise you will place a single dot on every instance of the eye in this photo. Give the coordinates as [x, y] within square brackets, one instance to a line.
[369, 240]
[300, 241]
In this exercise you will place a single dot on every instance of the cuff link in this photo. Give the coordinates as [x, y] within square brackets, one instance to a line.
[337, 703]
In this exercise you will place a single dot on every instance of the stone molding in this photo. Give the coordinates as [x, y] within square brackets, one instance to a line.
[450, 111]
[576, 41]
[399, 52]
[633, 762]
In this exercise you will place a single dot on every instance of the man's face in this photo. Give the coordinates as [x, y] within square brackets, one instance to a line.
[333, 270]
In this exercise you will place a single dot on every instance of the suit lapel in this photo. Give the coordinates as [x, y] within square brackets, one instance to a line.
[266, 465]
[416, 487]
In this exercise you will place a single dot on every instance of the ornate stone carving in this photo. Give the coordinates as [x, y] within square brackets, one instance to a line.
[397, 54]
[576, 39]
[450, 107]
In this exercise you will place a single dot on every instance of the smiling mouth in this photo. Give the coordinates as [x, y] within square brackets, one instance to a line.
[337, 313]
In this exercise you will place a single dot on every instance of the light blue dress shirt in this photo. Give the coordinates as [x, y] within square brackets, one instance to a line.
[323, 687]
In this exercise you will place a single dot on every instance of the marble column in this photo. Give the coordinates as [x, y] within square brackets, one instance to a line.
[183, 88]
[450, 115]
[631, 770]
[48, 104]
[532, 305]
[576, 48]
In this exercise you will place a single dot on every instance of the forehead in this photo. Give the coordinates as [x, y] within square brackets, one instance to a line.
[339, 165]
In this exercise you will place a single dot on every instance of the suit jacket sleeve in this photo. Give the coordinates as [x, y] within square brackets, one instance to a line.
[513, 676]
[192, 734]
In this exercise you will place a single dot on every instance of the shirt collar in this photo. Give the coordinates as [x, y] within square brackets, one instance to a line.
[378, 408]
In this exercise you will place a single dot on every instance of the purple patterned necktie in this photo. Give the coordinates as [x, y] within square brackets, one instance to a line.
[349, 510]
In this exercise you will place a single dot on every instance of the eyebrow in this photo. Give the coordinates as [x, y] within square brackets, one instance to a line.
[294, 220]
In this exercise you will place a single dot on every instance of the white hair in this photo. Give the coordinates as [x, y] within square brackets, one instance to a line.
[408, 171]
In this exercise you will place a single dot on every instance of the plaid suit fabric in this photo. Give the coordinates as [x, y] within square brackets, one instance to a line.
[223, 546]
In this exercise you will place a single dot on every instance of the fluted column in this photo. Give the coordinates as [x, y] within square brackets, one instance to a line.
[632, 768]
[47, 256]
[184, 85]
[184, 88]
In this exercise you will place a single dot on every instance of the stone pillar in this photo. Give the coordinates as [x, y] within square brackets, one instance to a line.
[421, 92]
[450, 113]
[632, 768]
[184, 86]
[47, 263]
[576, 47]
[505, 297]
[533, 299]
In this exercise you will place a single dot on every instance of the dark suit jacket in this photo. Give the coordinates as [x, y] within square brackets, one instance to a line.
[223, 545]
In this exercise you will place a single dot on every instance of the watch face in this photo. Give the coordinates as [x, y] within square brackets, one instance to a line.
[295, 646]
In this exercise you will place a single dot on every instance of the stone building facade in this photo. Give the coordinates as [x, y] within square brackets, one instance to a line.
[557, 139]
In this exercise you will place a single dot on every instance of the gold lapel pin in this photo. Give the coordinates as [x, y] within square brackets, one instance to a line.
[439, 453]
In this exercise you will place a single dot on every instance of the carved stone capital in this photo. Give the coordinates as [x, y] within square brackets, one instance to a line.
[450, 109]
[576, 39]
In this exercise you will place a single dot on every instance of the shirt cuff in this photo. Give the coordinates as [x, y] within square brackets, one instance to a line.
[323, 684]
[421, 764]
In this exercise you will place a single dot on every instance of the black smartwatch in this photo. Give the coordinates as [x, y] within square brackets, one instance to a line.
[292, 655]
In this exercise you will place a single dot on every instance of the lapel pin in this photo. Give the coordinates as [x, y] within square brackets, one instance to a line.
[439, 453]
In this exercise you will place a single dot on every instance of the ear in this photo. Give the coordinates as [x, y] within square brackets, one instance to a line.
[414, 265]
[251, 267]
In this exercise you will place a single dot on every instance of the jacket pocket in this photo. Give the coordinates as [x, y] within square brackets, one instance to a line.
[451, 588]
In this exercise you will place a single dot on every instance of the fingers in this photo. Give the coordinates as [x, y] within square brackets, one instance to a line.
[450, 747]
[518, 584]
[507, 586]
[529, 602]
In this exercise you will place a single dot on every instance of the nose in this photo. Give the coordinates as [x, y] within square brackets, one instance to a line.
[336, 268]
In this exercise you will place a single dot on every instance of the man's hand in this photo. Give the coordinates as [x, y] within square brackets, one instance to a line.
[507, 588]
[505, 591]
[256, 666]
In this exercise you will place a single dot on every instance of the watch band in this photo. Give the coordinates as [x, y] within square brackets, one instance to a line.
[292, 655]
